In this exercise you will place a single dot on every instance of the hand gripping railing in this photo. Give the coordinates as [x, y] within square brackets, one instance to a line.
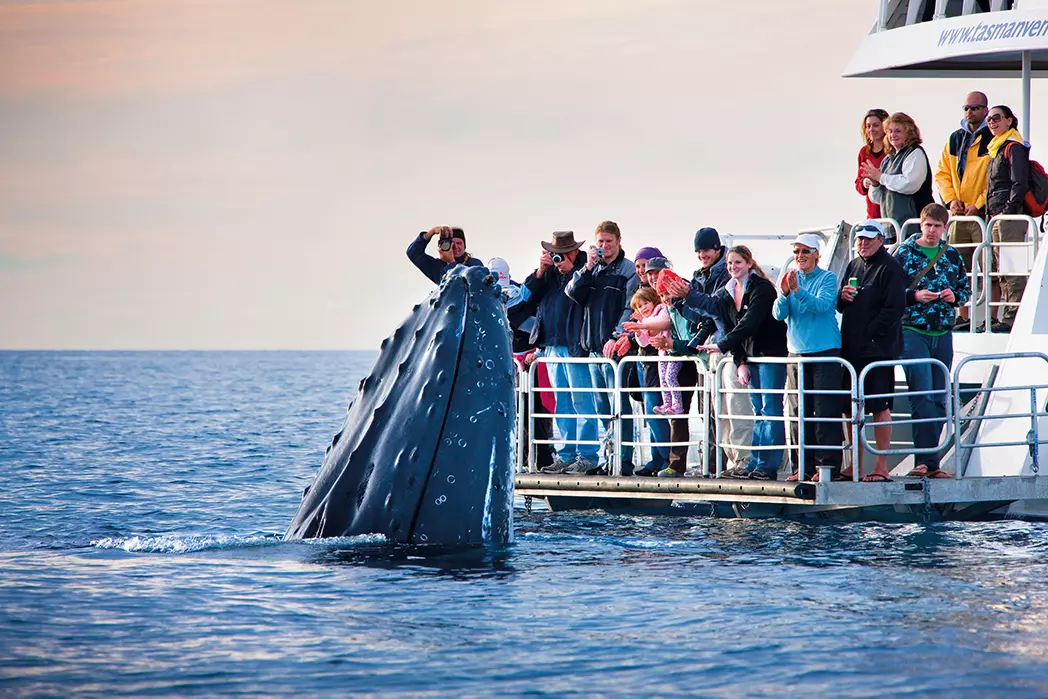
[948, 419]
[700, 371]
[595, 390]
[800, 419]
[1033, 438]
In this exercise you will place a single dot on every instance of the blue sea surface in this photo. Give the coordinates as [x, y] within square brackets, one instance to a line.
[143, 497]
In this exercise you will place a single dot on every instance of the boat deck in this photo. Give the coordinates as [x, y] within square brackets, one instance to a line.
[902, 499]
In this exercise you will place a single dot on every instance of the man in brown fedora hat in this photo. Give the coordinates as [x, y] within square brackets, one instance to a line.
[558, 331]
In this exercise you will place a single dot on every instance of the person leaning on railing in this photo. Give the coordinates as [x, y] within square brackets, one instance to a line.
[1007, 182]
[682, 342]
[937, 283]
[807, 302]
[744, 307]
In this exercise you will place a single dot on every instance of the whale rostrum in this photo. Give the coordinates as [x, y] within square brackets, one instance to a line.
[426, 454]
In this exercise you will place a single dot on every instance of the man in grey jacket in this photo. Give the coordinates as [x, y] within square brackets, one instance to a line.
[603, 289]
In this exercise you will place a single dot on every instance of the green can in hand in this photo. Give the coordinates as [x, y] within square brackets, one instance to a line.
[854, 281]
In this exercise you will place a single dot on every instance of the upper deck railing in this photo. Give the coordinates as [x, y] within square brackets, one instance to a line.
[901, 13]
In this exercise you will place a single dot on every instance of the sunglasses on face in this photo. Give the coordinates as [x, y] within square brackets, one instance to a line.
[860, 229]
[973, 107]
[802, 251]
[994, 118]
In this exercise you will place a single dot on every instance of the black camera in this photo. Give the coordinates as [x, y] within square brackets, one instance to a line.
[444, 244]
[557, 258]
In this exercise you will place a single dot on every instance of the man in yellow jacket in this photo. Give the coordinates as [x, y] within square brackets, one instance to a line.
[961, 178]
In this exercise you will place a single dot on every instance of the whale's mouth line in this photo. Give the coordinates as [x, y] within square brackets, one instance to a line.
[447, 411]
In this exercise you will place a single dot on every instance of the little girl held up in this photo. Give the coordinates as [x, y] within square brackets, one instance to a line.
[653, 320]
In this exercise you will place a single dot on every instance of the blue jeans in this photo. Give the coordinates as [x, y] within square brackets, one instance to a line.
[658, 429]
[927, 379]
[767, 432]
[570, 427]
[603, 376]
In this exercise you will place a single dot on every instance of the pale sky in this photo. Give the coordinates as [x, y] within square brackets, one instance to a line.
[246, 174]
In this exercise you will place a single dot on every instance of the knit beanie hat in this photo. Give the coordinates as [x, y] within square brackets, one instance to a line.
[647, 254]
[665, 276]
[458, 233]
[707, 239]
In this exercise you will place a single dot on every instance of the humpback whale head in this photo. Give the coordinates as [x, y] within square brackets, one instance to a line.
[427, 450]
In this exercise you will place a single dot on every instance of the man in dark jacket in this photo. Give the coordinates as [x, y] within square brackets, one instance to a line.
[711, 276]
[603, 290]
[558, 330]
[871, 302]
[451, 248]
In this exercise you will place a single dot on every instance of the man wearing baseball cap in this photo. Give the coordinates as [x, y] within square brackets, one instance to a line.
[807, 301]
[871, 301]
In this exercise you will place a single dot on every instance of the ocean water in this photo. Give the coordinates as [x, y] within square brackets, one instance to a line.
[143, 497]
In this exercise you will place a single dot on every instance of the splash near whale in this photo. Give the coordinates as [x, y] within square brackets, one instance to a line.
[426, 454]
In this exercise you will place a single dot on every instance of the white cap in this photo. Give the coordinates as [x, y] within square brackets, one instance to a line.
[869, 229]
[809, 240]
[499, 268]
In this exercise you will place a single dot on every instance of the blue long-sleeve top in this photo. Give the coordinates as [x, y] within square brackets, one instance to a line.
[810, 313]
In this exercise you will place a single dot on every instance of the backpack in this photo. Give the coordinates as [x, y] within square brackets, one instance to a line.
[1036, 202]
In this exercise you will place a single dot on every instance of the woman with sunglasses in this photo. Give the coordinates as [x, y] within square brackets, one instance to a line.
[902, 185]
[872, 152]
[1007, 182]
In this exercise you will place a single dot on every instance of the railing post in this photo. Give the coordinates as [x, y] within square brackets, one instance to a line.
[615, 465]
[532, 456]
[800, 418]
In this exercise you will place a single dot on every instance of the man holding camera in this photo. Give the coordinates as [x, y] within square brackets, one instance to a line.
[451, 246]
[557, 330]
[603, 289]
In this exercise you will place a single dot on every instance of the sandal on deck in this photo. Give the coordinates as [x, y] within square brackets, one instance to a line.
[938, 473]
[919, 471]
[876, 478]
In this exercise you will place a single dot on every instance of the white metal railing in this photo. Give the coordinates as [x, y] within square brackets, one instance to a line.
[983, 268]
[1033, 438]
[800, 419]
[643, 416]
[948, 420]
[533, 390]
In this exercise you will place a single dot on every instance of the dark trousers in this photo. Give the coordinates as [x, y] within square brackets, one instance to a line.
[688, 379]
[818, 377]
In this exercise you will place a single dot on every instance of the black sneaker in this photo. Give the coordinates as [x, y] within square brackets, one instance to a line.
[627, 468]
[647, 471]
[762, 475]
[999, 327]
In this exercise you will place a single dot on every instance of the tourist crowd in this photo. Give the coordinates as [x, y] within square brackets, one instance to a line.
[597, 302]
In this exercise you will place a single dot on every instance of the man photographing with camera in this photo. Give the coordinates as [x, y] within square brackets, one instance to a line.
[451, 248]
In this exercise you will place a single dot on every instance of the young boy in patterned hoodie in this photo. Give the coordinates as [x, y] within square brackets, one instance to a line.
[937, 286]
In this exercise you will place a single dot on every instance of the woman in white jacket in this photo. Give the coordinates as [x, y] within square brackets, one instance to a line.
[902, 185]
